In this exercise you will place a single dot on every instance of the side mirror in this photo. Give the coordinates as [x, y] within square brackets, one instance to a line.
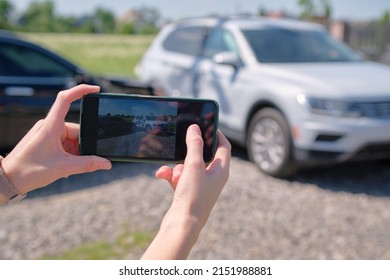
[228, 58]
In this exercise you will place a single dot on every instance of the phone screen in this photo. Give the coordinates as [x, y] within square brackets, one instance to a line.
[137, 128]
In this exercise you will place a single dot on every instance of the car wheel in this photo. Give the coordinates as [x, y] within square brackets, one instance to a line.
[269, 143]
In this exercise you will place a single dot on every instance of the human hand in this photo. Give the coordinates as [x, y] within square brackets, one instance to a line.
[49, 151]
[194, 183]
[197, 188]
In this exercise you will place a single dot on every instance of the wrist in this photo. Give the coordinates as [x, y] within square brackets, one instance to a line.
[186, 227]
[8, 190]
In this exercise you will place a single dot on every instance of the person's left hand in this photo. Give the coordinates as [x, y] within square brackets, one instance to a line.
[49, 151]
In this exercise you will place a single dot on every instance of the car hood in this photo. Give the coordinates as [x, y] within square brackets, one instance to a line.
[120, 84]
[339, 80]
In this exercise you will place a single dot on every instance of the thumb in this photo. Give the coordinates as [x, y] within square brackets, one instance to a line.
[83, 164]
[194, 143]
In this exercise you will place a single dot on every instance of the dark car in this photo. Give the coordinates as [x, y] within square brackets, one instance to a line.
[31, 77]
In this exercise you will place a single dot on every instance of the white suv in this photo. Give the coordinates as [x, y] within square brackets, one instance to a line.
[287, 91]
[149, 123]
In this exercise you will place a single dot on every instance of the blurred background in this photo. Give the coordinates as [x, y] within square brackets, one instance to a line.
[337, 212]
[362, 24]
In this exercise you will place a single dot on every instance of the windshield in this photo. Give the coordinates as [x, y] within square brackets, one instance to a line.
[283, 45]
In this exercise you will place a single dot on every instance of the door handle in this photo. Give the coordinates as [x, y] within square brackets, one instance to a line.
[19, 91]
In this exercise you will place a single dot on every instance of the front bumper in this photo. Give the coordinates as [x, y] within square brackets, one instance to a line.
[328, 139]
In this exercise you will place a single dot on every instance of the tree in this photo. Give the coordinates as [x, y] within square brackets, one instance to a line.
[316, 9]
[307, 9]
[39, 17]
[385, 19]
[104, 21]
[6, 9]
[125, 28]
[262, 11]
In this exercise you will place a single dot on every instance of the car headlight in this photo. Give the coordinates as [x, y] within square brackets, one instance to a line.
[329, 107]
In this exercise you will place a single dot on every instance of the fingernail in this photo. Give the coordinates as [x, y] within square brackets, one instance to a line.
[194, 128]
[106, 165]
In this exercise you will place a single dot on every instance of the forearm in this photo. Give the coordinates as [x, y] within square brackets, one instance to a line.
[174, 240]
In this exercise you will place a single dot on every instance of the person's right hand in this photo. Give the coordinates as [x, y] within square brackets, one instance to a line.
[197, 188]
[195, 183]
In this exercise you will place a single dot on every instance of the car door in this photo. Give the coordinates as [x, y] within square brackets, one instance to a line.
[182, 48]
[29, 82]
[223, 82]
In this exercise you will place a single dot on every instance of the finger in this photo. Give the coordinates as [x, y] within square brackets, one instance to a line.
[177, 173]
[194, 143]
[172, 176]
[164, 172]
[71, 147]
[72, 131]
[222, 155]
[224, 147]
[84, 164]
[65, 98]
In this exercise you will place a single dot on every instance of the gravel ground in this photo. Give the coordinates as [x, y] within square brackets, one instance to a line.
[330, 213]
[139, 143]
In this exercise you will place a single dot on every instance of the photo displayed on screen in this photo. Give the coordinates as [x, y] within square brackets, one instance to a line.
[133, 128]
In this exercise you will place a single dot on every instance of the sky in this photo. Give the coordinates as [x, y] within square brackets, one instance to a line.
[175, 9]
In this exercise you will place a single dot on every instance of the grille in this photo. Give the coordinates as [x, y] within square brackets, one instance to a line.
[375, 109]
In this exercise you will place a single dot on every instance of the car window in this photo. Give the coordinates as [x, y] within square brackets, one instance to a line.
[220, 40]
[22, 61]
[283, 45]
[186, 40]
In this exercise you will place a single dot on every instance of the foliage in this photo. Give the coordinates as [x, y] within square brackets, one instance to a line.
[105, 21]
[385, 20]
[6, 9]
[41, 16]
[126, 28]
[312, 9]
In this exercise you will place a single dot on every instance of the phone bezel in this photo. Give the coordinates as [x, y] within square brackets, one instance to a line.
[87, 126]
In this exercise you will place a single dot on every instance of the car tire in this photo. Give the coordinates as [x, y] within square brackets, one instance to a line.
[269, 143]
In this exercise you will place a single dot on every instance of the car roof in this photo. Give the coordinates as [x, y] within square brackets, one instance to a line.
[265, 23]
[7, 34]
[14, 39]
[252, 22]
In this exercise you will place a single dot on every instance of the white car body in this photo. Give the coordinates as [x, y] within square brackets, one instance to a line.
[148, 123]
[352, 117]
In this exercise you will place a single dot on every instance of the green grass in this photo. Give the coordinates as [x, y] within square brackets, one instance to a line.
[99, 54]
[120, 248]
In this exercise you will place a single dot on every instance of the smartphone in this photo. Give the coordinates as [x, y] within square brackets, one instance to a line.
[124, 127]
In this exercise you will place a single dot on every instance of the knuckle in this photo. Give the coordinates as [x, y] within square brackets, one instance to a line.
[62, 96]
[195, 162]
[229, 146]
[39, 123]
[197, 139]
